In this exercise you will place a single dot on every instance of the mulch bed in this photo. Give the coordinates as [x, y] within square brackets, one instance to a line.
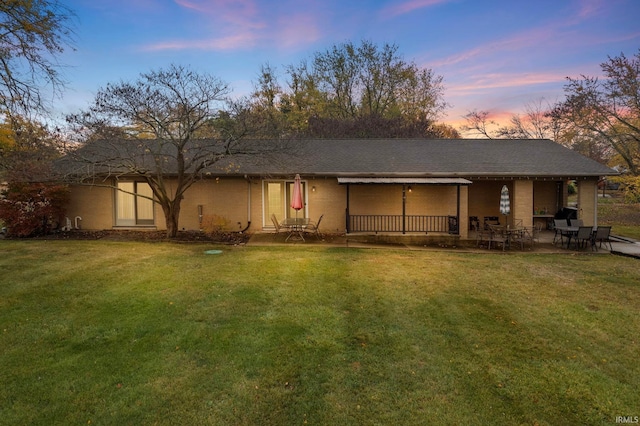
[235, 238]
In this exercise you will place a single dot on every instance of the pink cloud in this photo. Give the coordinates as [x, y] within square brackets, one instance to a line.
[236, 41]
[556, 35]
[515, 43]
[297, 30]
[590, 8]
[244, 13]
[497, 81]
[410, 6]
[241, 24]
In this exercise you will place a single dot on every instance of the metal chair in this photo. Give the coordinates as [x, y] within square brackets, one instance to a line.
[576, 222]
[557, 224]
[529, 235]
[482, 235]
[491, 220]
[313, 228]
[276, 224]
[584, 236]
[497, 236]
[602, 235]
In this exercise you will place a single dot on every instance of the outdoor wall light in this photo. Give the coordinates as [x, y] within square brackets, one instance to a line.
[409, 188]
[313, 189]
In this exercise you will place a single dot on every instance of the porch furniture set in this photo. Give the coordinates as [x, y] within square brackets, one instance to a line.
[507, 237]
[582, 236]
[297, 227]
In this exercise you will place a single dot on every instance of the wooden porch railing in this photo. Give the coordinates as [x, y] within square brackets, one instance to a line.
[403, 224]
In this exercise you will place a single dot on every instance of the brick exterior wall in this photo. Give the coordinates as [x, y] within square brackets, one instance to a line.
[231, 202]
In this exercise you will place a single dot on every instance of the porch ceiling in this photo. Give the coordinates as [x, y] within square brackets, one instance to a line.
[407, 180]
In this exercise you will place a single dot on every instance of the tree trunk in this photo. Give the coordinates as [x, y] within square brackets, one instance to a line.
[171, 214]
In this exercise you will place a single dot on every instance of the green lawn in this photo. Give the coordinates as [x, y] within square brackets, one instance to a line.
[625, 218]
[113, 333]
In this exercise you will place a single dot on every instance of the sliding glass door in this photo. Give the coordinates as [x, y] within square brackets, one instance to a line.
[277, 200]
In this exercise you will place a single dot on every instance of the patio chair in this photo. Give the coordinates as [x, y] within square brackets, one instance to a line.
[482, 236]
[474, 223]
[535, 233]
[584, 236]
[602, 235]
[276, 224]
[557, 224]
[491, 220]
[313, 228]
[497, 236]
[518, 236]
[530, 235]
[576, 222]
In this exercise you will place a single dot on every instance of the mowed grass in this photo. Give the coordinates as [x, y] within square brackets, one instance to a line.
[625, 218]
[112, 333]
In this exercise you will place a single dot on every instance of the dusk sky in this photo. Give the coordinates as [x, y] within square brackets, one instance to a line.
[495, 55]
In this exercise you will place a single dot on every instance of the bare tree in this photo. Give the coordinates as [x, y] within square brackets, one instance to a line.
[32, 34]
[536, 123]
[165, 114]
[478, 124]
[607, 109]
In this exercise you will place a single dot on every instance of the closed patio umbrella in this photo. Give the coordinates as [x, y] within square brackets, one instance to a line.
[296, 198]
[297, 204]
[505, 204]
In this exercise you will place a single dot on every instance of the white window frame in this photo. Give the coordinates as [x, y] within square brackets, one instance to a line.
[284, 204]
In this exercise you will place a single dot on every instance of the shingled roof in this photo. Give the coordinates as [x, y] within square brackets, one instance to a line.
[434, 158]
[417, 158]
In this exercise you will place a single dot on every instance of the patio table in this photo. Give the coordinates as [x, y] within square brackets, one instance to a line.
[509, 233]
[295, 225]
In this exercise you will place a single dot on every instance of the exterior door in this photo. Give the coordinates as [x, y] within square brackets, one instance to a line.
[277, 200]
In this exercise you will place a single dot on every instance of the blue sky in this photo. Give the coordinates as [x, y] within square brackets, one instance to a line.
[495, 55]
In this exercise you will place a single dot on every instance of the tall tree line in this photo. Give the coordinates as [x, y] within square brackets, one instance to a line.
[352, 90]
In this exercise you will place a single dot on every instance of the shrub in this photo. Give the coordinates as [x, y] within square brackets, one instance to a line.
[630, 187]
[31, 209]
[212, 224]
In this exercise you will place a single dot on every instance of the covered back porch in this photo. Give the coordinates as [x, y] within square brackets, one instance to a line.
[450, 206]
[405, 205]
[534, 200]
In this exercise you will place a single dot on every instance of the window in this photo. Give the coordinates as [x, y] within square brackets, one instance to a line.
[134, 204]
[277, 200]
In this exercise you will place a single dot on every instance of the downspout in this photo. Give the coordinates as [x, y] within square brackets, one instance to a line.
[595, 205]
[248, 205]
[348, 228]
[458, 211]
